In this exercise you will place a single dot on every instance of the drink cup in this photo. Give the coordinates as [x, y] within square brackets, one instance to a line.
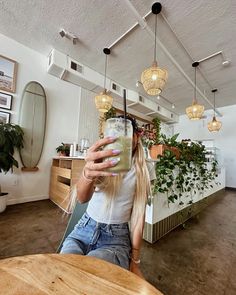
[116, 127]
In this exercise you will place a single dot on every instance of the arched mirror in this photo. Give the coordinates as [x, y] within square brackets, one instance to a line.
[33, 122]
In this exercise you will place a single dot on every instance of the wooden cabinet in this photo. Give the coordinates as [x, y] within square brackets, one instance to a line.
[65, 172]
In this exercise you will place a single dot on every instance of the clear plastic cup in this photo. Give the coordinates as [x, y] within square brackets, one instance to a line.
[115, 127]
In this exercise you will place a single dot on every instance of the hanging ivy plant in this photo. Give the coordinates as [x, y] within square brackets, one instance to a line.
[184, 176]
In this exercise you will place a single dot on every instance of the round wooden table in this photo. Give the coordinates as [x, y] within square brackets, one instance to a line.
[68, 274]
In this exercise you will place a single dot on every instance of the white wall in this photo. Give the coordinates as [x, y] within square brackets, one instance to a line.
[225, 139]
[89, 117]
[167, 129]
[62, 120]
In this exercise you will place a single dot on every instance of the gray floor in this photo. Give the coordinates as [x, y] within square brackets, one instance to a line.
[197, 260]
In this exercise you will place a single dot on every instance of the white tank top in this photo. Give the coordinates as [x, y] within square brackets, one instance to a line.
[121, 205]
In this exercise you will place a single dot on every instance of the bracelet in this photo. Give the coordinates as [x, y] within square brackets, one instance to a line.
[135, 249]
[135, 261]
[86, 178]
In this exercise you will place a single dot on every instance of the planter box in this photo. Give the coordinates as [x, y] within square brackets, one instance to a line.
[159, 149]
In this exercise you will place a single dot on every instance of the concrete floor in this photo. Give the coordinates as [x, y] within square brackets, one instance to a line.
[197, 260]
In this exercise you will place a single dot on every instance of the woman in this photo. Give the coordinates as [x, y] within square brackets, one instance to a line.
[114, 200]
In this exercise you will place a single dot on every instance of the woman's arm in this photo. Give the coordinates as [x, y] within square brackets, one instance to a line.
[136, 241]
[94, 168]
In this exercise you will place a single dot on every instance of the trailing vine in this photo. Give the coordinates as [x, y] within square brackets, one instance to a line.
[184, 176]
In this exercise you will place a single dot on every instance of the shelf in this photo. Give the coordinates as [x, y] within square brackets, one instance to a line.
[63, 180]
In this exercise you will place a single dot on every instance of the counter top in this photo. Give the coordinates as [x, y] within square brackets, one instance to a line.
[69, 158]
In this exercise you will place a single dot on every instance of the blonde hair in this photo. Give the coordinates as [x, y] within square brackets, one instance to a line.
[110, 187]
[143, 186]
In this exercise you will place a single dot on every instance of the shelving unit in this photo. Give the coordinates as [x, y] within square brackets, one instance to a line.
[65, 172]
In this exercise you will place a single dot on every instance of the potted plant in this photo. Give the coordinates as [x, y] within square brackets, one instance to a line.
[170, 143]
[63, 150]
[162, 142]
[154, 148]
[11, 138]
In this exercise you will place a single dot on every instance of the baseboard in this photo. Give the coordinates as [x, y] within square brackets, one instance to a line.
[26, 199]
[230, 188]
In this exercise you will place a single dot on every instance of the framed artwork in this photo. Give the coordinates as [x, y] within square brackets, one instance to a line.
[8, 68]
[5, 101]
[4, 117]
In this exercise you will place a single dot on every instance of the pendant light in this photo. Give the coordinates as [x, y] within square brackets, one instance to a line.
[195, 111]
[214, 125]
[104, 101]
[154, 78]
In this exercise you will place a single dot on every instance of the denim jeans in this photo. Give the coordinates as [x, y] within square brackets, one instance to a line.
[110, 242]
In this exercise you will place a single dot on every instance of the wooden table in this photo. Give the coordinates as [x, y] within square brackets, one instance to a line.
[68, 274]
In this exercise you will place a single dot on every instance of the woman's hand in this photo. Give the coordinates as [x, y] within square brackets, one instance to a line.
[94, 166]
[134, 267]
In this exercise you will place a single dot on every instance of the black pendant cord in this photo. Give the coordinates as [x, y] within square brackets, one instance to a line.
[155, 48]
[195, 65]
[195, 84]
[214, 105]
[105, 73]
[214, 92]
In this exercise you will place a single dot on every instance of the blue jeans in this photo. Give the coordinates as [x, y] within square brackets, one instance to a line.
[110, 242]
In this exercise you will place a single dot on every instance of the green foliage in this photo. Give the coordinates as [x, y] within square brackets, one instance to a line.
[64, 149]
[157, 126]
[110, 114]
[151, 138]
[186, 175]
[169, 141]
[11, 138]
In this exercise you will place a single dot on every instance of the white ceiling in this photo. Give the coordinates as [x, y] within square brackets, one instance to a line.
[203, 27]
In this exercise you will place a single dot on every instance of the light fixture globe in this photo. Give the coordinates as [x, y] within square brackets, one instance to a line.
[103, 101]
[195, 111]
[214, 125]
[154, 79]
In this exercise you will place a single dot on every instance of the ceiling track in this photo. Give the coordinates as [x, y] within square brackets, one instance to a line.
[141, 21]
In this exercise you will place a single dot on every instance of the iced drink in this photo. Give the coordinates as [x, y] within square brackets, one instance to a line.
[116, 127]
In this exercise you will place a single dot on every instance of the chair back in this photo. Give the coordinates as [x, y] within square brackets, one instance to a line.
[75, 216]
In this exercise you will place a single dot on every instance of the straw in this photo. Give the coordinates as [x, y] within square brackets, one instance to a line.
[125, 113]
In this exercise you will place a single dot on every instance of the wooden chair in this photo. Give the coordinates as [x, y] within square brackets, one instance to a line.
[75, 216]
